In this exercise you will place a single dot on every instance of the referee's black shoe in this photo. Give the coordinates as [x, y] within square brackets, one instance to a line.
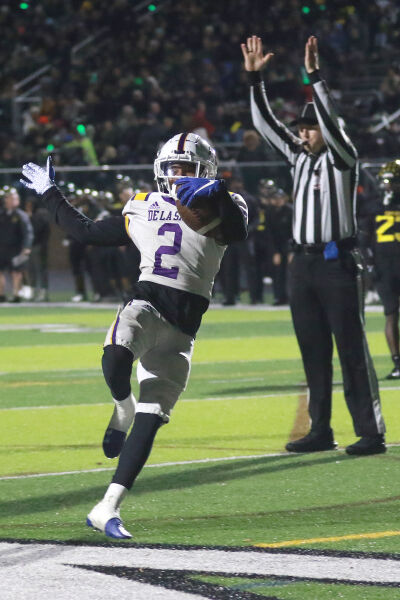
[313, 442]
[367, 445]
[394, 373]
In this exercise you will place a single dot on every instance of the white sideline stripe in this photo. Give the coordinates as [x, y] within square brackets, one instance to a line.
[54, 406]
[95, 344]
[114, 305]
[209, 399]
[158, 465]
[96, 370]
[241, 380]
[234, 338]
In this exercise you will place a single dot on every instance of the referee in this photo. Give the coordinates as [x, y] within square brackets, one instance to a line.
[325, 273]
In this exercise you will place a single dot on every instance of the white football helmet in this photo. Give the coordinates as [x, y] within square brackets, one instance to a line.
[184, 148]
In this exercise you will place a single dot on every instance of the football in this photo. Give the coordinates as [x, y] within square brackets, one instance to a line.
[202, 217]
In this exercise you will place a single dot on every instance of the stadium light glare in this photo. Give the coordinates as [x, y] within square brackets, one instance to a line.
[322, 7]
[24, 6]
[152, 7]
[305, 10]
[81, 129]
[50, 148]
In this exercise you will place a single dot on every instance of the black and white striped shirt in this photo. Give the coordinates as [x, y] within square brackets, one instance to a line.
[324, 185]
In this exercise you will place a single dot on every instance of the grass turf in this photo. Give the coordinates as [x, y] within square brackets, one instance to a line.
[264, 500]
[242, 399]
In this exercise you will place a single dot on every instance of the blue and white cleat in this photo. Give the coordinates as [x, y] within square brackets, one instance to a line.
[106, 519]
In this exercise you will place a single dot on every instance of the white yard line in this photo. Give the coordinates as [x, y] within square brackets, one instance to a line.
[111, 306]
[95, 370]
[158, 465]
[208, 399]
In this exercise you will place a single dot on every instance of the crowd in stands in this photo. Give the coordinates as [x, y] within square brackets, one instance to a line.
[146, 74]
[107, 274]
[119, 78]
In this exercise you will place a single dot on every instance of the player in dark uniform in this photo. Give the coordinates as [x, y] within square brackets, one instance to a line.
[16, 237]
[387, 258]
[281, 218]
[38, 260]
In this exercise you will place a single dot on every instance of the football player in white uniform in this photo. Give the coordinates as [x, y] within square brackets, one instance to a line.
[159, 324]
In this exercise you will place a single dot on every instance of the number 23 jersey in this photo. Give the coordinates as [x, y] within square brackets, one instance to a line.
[172, 254]
[387, 230]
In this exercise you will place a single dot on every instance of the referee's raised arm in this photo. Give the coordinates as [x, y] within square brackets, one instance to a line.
[342, 151]
[272, 130]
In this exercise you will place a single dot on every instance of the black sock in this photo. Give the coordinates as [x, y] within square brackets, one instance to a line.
[137, 448]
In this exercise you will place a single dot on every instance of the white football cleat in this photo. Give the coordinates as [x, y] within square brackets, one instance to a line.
[105, 518]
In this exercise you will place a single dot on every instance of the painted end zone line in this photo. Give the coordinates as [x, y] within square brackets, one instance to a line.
[354, 536]
[158, 465]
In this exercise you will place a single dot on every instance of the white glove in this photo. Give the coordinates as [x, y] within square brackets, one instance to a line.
[39, 179]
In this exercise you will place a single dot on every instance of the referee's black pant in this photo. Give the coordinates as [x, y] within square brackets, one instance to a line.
[325, 299]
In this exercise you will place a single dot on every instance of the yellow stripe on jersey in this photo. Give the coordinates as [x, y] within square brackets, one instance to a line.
[127, 224]
[140, 196]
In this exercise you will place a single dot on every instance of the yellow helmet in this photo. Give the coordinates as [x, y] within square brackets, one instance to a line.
[390, 172]
[390, 182]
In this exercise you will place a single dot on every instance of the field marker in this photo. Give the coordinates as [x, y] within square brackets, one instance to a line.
[301, 423]
[354, 536]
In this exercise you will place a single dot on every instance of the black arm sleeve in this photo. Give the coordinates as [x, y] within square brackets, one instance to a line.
[232, 210]
[109, 232]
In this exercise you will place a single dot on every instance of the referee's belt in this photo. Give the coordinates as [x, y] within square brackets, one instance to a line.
[345, 244]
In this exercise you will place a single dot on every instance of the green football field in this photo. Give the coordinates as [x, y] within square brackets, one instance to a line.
[218, 474]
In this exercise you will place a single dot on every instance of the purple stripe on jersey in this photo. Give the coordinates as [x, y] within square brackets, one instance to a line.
[147, 197]
[181, 143]
[114, 333]
[168, 199]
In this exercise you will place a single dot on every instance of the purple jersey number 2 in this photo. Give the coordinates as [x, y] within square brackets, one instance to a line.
[171, 272]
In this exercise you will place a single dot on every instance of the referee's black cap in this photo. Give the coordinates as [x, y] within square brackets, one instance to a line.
[308, 116]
